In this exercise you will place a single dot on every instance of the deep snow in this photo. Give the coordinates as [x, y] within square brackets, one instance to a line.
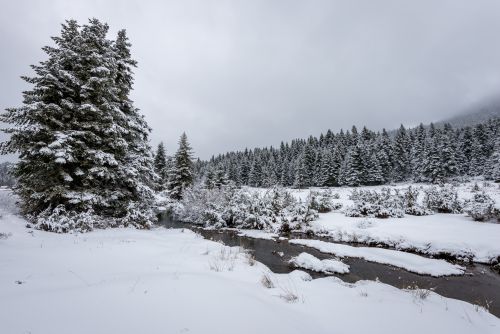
[174, 281]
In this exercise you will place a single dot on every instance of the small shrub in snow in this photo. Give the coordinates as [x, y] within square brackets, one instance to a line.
[289, 293]
[496, 214]
[442, 199]
[251, 259]
[224, 259]
[363, 293]
[289, 296]
[373, 204]
[266, 281]
[5, 235]
[419, 294]
[321, 201]
[412, 206]
[480, 207]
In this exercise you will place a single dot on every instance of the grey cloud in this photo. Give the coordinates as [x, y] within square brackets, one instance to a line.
[251, 73]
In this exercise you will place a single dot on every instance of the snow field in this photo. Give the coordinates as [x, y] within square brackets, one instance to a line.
[164, 281]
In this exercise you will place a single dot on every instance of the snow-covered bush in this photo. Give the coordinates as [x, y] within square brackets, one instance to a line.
[480, 207]
[367, 203]
[411, 204]
[322, 201]
[443, 199]
[496, 213]
[274, 210]
[60, 220]
[4, 235]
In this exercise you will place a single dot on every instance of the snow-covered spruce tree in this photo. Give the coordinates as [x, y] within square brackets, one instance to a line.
[181, 174]
[493, 165]
[352, 168]
[430, 154]
[401, 158]
[84, 159]
[160, 165]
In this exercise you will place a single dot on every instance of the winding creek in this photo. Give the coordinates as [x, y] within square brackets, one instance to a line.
[480, 285]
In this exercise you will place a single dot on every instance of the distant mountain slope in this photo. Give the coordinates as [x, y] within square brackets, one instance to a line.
[475, 115]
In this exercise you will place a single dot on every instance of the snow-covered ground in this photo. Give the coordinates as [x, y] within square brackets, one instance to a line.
[174, 281]
[411, 262]
[454, 234]
[308, 261]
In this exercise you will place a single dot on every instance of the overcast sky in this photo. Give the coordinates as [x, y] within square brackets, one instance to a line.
[236, 74]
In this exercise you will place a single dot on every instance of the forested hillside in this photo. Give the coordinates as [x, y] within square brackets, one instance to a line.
[421, 154]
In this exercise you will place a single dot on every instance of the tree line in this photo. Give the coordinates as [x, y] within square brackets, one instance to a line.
[353, 158]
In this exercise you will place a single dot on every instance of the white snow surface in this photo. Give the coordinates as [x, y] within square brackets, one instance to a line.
[454, 234]
[411, 262]
[308, 261]
[258, 234]
[173, 281]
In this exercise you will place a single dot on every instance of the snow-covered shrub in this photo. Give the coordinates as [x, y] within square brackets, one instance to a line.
[61, 221]
[480, 207]
[496, 213]
[411, 204]
[475, 188]
[5, 235]
[443, 199]
[266, 281]
[374, 204]
[276, 209]
[322, 201]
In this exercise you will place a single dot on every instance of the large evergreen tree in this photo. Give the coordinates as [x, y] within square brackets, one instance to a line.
[83, 146]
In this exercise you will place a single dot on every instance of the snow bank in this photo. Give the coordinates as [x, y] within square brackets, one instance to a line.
[452, 234]
[308, 261]
[257, 234]
[164, 281]
[411, 262]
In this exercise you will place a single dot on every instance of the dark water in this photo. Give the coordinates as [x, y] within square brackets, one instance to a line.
[480, 285]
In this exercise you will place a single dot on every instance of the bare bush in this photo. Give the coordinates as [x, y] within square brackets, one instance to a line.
[5, 235]
[266, 281]
[224, 259]
[418, 293]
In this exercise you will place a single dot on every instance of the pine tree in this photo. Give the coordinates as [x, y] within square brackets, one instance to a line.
[401, 161]
[181, 175]
[330, 167]
[255, 179]
[448, 157]
[160, 165]
[82, 144]
[352, 168]
[244, 171]
[301, 179]
[493, 165]
[433, 170]
[374, 174]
